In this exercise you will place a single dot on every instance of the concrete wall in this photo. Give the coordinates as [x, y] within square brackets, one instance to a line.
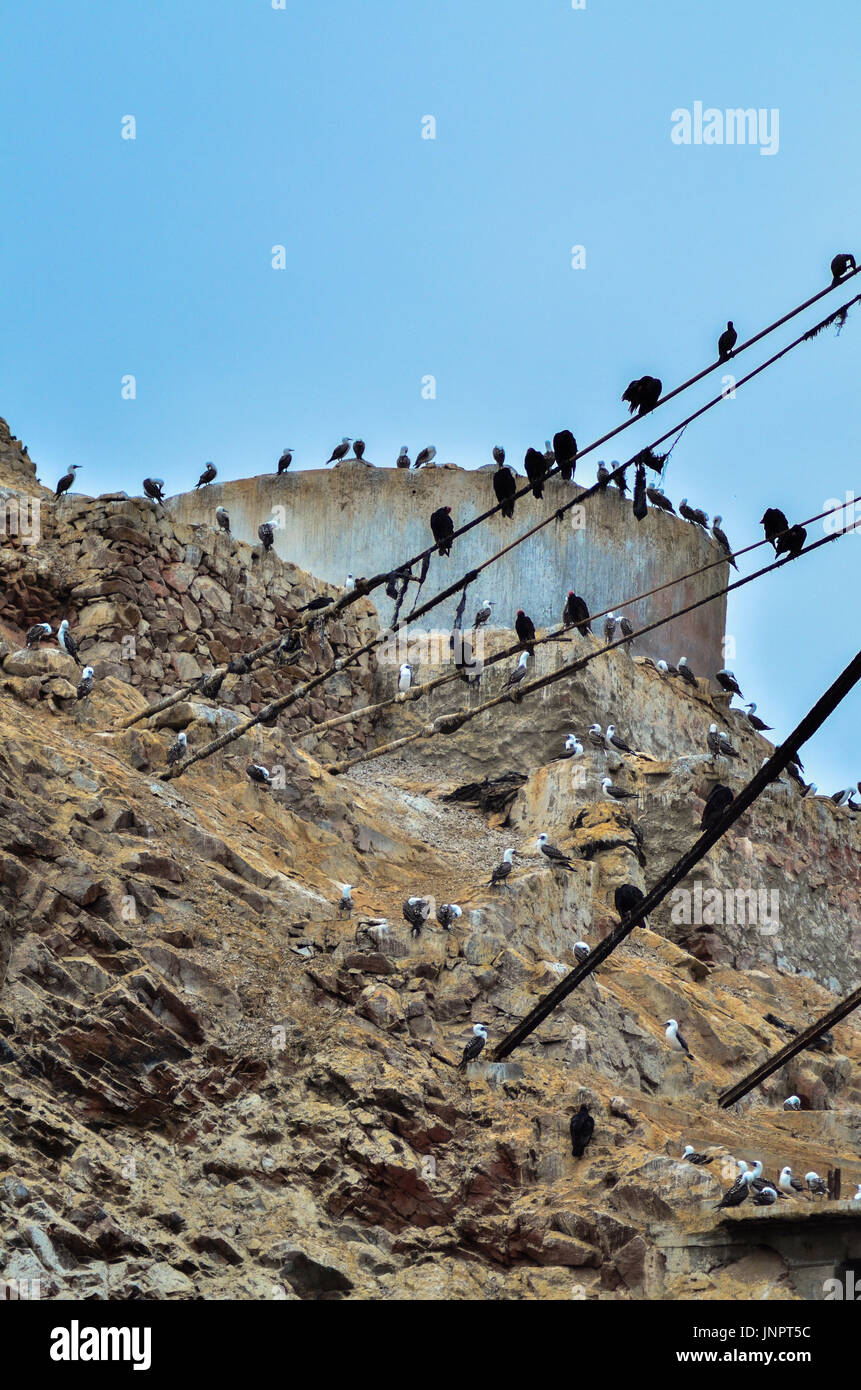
[360, 520]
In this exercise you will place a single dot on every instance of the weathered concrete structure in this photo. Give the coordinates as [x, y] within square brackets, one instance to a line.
[360, 520]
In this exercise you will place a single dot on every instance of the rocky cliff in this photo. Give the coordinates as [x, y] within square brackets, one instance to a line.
[213, 1084]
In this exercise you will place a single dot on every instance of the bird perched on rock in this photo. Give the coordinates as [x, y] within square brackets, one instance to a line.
[720, 537]
[266, 535]
[726, 342]
[257, 773]
[764, 1196]
[616, 793]
[565, 451]
[484, 613]
[816, 1185]
[535, 471]
[627, 899]
[657, 499]
[617, 742]
[582, 1128]
[504, 486]
[340, 451]
[498, 455]
[556, 856]
[693, 514]
[66, 481]
[738, 1193]
[609, 627]
[475, 1045]
[525, 629]
[787, 1183]
[576, 614]
[285, 460]
[841, 265]
[792, 1103]
[791, 543]
[222, 516]
[677, 1042]
[573, 746]
[37, 633]
[754, 720]
[727, 681]
[416, 911]
[442, 527]
[686, 673]
[501, 872]
[208, 475]
[359, 448]
[643, 395]
[66, 641]
[718, 744]
[425, 456]
[447, 914]
[85, 684]
[346, 904]
[696, 1158]
[153, 489]
[857, 1196]
[773, 522]
[596, 738]
[719, 799]
[178, 749]
[403, 459]
[666, 668]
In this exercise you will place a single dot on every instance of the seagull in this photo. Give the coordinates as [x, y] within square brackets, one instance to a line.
[257, 773]
[178, 749]
[557, 858]
[501, 872]
[475, 1045]
[416, 912]
[695, 1157]
[616, 741]
[266, 534]
[693, 514]
[686, 673]
[720, 537]
[581, 950]
[223, 519]
[426, 456]
[616, 793]
[792, 1103]
[484, 613]
[447, 914]
[153, 489]
[657, 499]
[582, 1128]
[754, 719]
[346, 904]
[726, 342]
[727, 681]
[285, 460]
[339, 451]
[403, 459]
[719, 799]
[207, 476]
[627, 899]
[609, 627]
[67, 642]
[596, 738]
[816, 1185]
[675, 1040]
[66, 481]
[405, 676]
[788, 1183]
[85, 684]
[37, 633]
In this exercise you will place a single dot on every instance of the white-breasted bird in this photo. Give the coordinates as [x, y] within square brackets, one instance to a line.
[676, 1041]
[67, 641]
[475, 1045]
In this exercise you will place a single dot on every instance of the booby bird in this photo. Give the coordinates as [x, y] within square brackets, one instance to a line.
[686, 673]
[603, 474]
[266, 534]
[359, 448]
[620, 479]
[258, 774]
[222, 516]
[349, 583]
[616, 741]
[719, 799]
[616, 793]
[442, 527]
[178, 749]
[740, 1190]
[405, 676]
[581, 950]
[693, 1157]
[609, 627]
[403, 459]
[791, 543]
[448, 913]
[693, 514]
[484, 614]
[501, 872]
[676, 1041]
[596, 738]
[582, 1128]
[576, 614]
[37, 633]
[504, 487]
[726, 342]
[153, 489]
[857, 1197]
[557, 857]
[416, 911]
[657, 499]
[346, 904]
[840, 796]
[285, 460]
[549, 453]
[727, 681]
[816, 1185]
[792, 1103]
[321, 601]
[719, 745]
[565, 449]
[425, 456]
[85, 684]
[841, 265]
[643, 395]
[519, 672]
[788, 1183]
[754, 720]
[764, 1196]
[474, 1046]
[668, 668]
[721, 538]
[66, 481]
[67, 641]
[498, 455]
[573, 746]
[627, 899]
[773, 523]
[525, 629]
[626, 626]
[535, 470]
[207, 476]
[340, 451]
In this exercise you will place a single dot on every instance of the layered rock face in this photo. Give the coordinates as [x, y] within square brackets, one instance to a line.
[216, 1084]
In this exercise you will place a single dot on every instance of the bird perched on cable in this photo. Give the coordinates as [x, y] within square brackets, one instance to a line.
[718, 744]
[222, 517]
[535, 471]
[792, 1103]
[726, 342]
[525, 629]
[37, 633]
[696, 1158]
[322, 601]
[85, 684]
[727, 681]
[66, 481]
[442, 527]
[616, 741]
[153, 489]
[773, 522]
[643, 395]
[501, 872]
[266, 534]
[447, 914]
[285, 460]
[359, 448]
[340, 450]
[693, 514]
[518, 674]
[484, 613]
[208, 475]
[556, 856]
[66, 641]
[581, 951]
[686, 673]
[549, 454]
[791, 543]
[609, 627]
[211, 684]
[676, 1041]
[719, 799]
[576, 614]
[720, 537]
[255, 772]
[475, 1045]
[405, 676]
[620, 478]
[403, 459]
[425, 456]
[416, 911]
[841, 265]
[565, 451]
[657, 499]
[504, 485]
[582, 1128]
[754, 720]
[627, 899]
[614, 793]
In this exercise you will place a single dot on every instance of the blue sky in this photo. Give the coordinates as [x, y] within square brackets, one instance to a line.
[451, 257]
